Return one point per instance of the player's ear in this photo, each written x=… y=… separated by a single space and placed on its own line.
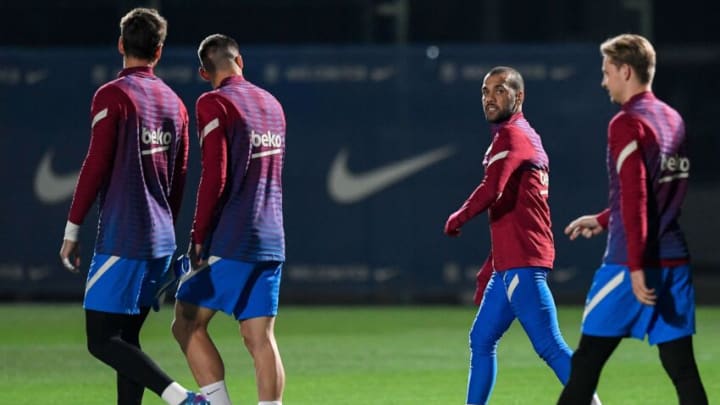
x=121 y=48
x=626 y=71
x=204 y=74
x=158 y=53
x=239 y=61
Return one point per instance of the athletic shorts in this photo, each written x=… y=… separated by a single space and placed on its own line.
x=612 y=310
x=123 y=286
x=242 y=289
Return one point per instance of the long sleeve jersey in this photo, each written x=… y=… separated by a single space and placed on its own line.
x=135 y=166
x=239 y=204
x=515 y=191
x=648 y=170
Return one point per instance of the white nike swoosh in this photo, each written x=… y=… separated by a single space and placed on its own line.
x=346 y=188
x=50 y=187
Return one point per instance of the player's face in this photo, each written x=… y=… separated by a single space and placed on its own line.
x=612 y=80
x=499 y=100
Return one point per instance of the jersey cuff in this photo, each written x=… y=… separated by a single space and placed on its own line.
x=71 y=231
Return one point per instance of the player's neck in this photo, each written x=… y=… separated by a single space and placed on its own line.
x=634 y=90
x=132 y=62
x=221 y=76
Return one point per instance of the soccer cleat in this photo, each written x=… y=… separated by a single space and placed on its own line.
x=195 y=399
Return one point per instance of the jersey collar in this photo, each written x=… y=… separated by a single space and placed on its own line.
x=143 y=70
x=643 y=95
x=231 y=80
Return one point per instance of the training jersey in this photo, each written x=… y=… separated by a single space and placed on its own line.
x=515 y=192
x=239 y=213
x=648 y=170
x=135 y=166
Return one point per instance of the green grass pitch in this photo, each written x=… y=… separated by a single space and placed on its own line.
x=335 y=355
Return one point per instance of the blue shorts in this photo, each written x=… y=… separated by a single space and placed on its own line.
x=242 y=289
x=123 y=286
x=612 y=310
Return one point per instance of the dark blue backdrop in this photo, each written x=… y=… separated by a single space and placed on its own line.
x=376 y=105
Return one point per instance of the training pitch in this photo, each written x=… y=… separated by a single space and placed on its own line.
x=335 y=355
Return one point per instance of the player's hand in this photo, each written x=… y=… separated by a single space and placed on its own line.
x=195 y=253
x=586 y=225
x=452 y=225
x=642 y=293
x=70 y=255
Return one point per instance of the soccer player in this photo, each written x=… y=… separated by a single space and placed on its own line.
x=135 y=167
x=238 y=241
x=513 y=281
x=644 y=285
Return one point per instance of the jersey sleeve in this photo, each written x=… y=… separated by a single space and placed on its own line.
x=624 y=140
x=109 y=106
x=180 y=169
x=212 y=118
x=507 y=153
x=603 y=217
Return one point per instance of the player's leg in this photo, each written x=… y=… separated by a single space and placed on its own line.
x=672 y=330
x=259 y=337
x=493 y=318
x=104 y=341
x=534 y=306
x=678 y=360
x=115 y=288
x=190 y=330
x=587 y=363
x=256 y=309
x=129 y=391
x=219 y=286
x=611 y=312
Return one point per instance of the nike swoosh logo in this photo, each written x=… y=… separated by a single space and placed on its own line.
x=50 y=187
x=346 y=187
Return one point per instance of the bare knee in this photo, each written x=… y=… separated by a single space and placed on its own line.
x=257 y=335
x=186 y=322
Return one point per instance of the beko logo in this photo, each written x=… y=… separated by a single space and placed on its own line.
x=156 y=137
x=674 y=167
x=267 y=139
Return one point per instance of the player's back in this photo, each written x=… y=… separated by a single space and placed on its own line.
x=250 y=222
x=663 y=145
x=136 y=219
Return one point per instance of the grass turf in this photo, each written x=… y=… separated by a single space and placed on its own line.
x=347 y=355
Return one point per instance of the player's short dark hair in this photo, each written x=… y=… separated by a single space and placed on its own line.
x=216 y=51
x=514 y=79
x=633 y=50
x=142 y=30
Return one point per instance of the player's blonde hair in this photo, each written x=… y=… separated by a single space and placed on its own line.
x=633 y=50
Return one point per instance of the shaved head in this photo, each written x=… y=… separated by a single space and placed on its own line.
x=218 y=52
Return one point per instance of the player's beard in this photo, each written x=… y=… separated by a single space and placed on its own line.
x=503 y=114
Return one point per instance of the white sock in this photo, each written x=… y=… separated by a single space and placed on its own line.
x=596 y=400
x=269 y=403
x=174 y=394
x=216 y=393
